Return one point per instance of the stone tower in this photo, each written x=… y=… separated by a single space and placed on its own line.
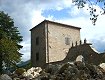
x=51 y=41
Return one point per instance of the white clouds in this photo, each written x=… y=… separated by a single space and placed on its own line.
x=52 y=4
x=74 y=11
x=67 y=3
x=59 y=8
x=63 y=4
x=25 y=50
x=36 y=17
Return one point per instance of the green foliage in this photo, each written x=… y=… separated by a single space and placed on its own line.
x=9 y=42
x=91 y=7
x=20 y=71
x=26 y=65
x=9 y=52
x=8 y=28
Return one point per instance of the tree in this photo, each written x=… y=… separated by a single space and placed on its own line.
x=91 y=7
x=9 y=42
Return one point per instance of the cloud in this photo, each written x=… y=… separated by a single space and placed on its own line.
x=36 y=18
x=25 y=50
x=99 y=44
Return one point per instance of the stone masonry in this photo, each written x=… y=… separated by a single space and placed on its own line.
x=51 y=41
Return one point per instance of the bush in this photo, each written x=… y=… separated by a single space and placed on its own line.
x=20 y=71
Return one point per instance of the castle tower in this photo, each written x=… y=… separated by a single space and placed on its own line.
x=50 y=42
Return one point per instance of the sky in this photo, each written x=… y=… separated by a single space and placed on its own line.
x=28 y=13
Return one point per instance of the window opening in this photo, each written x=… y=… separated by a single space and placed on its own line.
x=37 y=41
x=37 y=56
x=67 y=41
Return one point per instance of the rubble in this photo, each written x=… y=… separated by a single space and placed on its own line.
x=32 y=73
x=5 y=77
x=22 y=74
x=78 y=70
x=102 y=65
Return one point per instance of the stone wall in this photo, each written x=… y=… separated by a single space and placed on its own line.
x=39 y=31
x=87 y=51
x=56 y=40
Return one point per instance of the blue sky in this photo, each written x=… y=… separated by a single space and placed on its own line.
x=58 y=14
x=28 y=13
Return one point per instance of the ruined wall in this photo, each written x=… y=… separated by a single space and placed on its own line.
x=89 y=54
x=39 y=31
x=56 y=40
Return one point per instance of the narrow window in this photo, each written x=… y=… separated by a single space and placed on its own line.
x=37 y=56
x=37 y=40
x=67 y=41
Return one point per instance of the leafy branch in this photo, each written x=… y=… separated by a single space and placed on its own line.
x=91 y=7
